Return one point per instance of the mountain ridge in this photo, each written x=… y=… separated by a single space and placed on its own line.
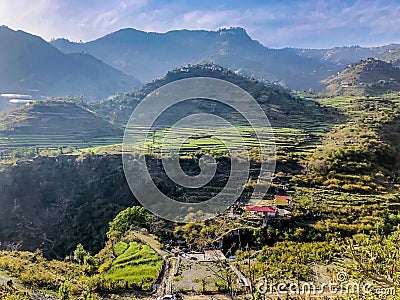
x=149 y=55
x=282 y=107
x=27 y=62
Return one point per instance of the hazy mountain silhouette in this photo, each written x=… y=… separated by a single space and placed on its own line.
x=150 y=55
x=27 y=62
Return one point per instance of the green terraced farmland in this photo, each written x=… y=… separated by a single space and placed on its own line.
x=53 y=124
x=287 y=140
x=189 y=140
x=48 y=141
x=136 y=266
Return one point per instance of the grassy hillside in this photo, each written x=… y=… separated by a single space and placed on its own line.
x=282 y=108
x=54 y=123
x=366 y=78
x=361 y=155
x=81 y=276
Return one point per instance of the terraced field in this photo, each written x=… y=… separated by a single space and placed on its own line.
x=135 y=266
x=285 y=139
x=338 y=199
x=52 y=124
x=364 y=108
x=49 y=141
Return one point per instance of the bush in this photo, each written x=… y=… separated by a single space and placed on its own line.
x=136 y=215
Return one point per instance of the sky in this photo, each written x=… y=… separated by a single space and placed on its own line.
x=276 y=24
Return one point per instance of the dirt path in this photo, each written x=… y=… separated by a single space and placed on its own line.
x=151 y=241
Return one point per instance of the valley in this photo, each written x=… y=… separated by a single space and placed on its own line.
x=74 y=227
x=336 y=157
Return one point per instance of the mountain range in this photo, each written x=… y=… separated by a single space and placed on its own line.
x=30 y=64
x=111 y=64
x=148 y=55
x=343 y=56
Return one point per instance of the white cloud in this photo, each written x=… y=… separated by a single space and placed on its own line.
x=276 y=24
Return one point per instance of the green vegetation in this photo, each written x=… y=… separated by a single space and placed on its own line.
x=132 y=216
x=134 y=268
x=57 y=200
x=120 y=248
x=43 y=125
x=121 y=264
x=282 y=108
x=367 y=77
x=8 y=292
x=377 y=258
x=360 y=155
x=352 y=159
x=336 y=156
x=291 y=261
x=32 y=270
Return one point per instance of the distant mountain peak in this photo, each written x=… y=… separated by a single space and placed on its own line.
x=149 y=55
x=233 y=30
x=27 y=62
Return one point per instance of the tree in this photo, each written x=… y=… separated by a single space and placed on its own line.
x=80 y=254
x=225 y=277
x=64 y=291
x=135 y=215
x=377 y=258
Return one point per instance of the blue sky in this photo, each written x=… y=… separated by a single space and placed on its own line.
x=290 y=23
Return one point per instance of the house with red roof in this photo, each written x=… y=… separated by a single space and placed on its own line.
x=265 y=210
